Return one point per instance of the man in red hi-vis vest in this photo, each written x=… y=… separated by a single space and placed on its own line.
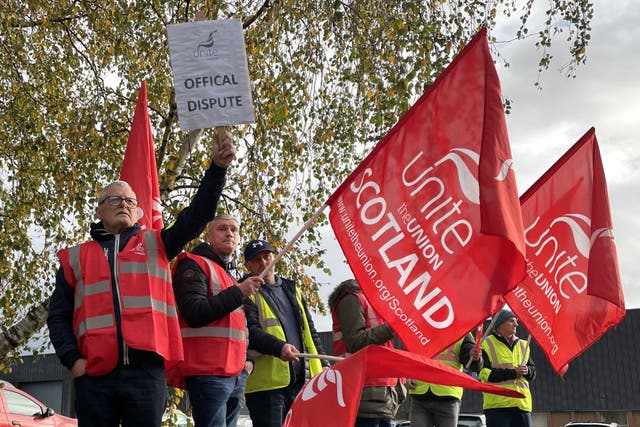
x=355 y=325
x=112 y=317
x=213 y=326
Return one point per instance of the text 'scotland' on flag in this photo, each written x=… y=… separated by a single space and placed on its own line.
x=572 y=292
x=331 y=398
x=139 y=166
x=430 y=221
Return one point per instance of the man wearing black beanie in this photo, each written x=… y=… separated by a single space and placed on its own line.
x=507 y=363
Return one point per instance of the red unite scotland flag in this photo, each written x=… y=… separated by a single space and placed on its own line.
x=139 y=166
x=572 y=294
x=430 y=221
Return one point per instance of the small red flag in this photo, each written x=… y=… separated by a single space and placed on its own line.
x=430 y=221
x=572 y=293
x=479 y=338
x=332 y=397
x=139 y=166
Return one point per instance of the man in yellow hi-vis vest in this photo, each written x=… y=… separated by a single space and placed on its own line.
x=280 y=327
x=507 y=363
x=435 y=405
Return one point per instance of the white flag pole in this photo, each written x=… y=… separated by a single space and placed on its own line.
x=486 y=333
x=305 y=226
x=321 y=357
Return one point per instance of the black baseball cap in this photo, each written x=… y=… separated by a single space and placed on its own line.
x=254 y=247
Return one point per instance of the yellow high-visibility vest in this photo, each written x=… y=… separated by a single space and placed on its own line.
x=501 y=356
x=451 y=357
x=271 y=372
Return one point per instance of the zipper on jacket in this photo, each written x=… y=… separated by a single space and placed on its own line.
x=125 y=349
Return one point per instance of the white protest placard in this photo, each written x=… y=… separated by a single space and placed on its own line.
x=210 y=74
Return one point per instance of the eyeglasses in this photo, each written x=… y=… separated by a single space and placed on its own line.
x=117 y=201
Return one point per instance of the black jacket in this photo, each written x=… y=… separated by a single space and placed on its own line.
x=265 y=343
x=188 y=225
x=191 y=289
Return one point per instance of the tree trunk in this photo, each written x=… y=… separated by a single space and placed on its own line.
x=18 y=335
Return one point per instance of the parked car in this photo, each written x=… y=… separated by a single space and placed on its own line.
x=590 y=424
x=18 y=408
x=471 y=420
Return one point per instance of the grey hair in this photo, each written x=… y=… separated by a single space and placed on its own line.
x=224 y=216
x=118 y=183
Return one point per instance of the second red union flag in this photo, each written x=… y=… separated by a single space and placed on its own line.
x=430 y=221
x=572 y=294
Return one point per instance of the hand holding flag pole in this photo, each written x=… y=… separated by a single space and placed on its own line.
x=484 y=335
x=477 y=347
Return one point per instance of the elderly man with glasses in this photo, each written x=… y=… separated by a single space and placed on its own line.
x=112 y=317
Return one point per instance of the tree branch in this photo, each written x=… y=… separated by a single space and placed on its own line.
x=19 y=334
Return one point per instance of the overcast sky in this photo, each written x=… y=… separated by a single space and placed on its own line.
x=545 y=122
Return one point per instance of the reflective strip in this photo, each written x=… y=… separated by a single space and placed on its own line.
x=95 y=322
x=134 y=267
x=97 y=288
x=266 y=323
x=74 y=262
x=257 y=300
x=213 y=331
x=152 y=265
x=146 y=302
x=516 y=382
x=214 y=285
x=371 y=314
x=155 y=269
x=83 y=289
x=494 y=354
x=494 y=357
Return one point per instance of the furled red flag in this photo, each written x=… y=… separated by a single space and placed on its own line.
x=572 y=293
x=430 y=221
x=139 y=166
x=332 y=397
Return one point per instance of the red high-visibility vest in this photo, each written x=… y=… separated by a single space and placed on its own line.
x=148 y=315
x=372 y=319
x=219 y=348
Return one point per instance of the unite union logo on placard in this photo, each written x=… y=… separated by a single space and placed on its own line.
x=205 y=48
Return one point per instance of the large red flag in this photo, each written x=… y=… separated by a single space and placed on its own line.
x=572 y=293
x=139 y=165
x=430 y=221
x=332 y=397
